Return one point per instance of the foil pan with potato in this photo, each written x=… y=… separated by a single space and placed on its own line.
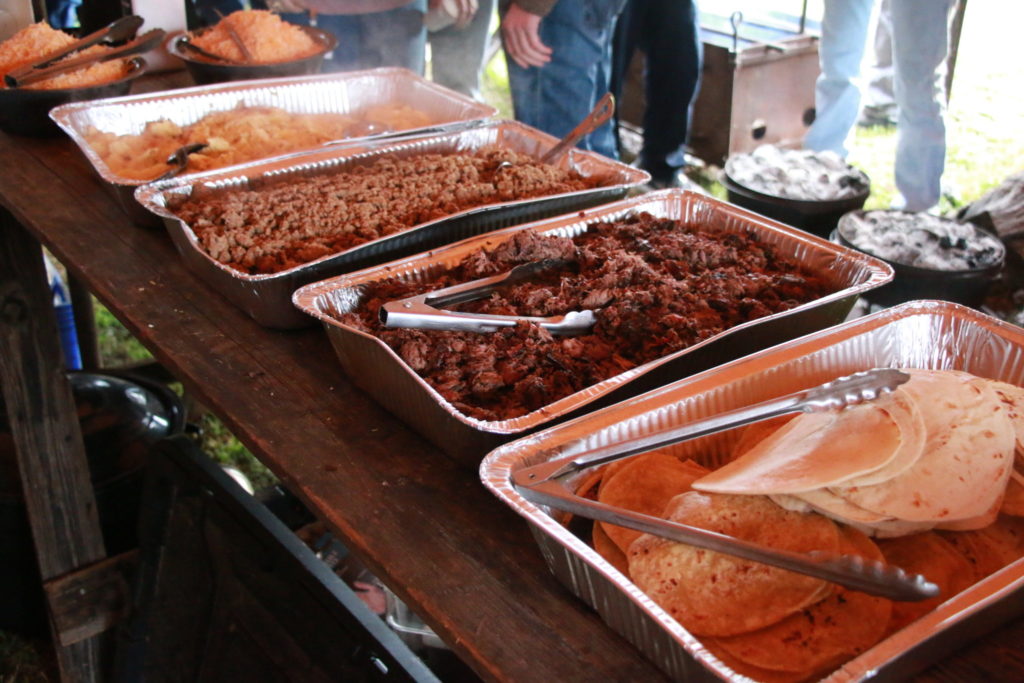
x=345 y=94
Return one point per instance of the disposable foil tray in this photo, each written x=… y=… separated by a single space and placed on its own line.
x=920 y=334
x=339 y=93
x=378 y=370
x=268 y=297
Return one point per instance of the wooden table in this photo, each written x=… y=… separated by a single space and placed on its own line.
x=421 y=522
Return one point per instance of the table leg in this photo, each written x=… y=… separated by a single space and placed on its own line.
x=85 y=324
x=44 y=425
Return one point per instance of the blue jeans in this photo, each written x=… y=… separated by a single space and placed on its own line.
x=668 y=34
x=557 y=96
x=920 y=41
x=366 y=41
x=457 y=54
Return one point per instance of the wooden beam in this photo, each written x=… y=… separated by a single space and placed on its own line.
x=89 y=601
x=51 y=458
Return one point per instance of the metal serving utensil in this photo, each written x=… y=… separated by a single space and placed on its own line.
x=425 y=312
x=545 y=484
x=601 y=112
x=178 y=160
x=144 y=43
x=189 y=46
x=122 y=29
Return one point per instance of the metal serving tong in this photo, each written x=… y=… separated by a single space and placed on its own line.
x=31 y=74
x=544 y=484
x=122 y=29
x=424 y=311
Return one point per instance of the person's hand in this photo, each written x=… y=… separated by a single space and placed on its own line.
x=462 y=11
x=521 y=36
x=286 y=5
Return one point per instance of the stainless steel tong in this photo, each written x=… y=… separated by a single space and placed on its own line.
x=545 y=484
x=425 y=311
x=51 y=66
x=122 y=29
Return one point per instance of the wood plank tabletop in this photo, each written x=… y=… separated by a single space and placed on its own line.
x=422 y=522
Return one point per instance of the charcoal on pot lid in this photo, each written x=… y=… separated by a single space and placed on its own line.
x=922 y=240
x=797 y=174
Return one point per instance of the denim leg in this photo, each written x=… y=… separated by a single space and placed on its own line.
x=670 y=38
x=920 y=43
x=457 y=55
x=396 y=38
x=844 y=30
x=878 y=92
x=557 y=96
x=366 y=41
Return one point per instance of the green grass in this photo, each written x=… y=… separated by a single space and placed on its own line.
x=118 y=348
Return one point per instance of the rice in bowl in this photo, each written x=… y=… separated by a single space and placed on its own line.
x=268 y=39
x=36 y=41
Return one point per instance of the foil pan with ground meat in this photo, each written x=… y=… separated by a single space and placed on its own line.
x=267 y=296
x=919 y=334
x=338 y=93
x=380 y=370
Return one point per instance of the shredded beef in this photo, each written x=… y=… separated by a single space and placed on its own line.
x=285 y=223
x=656 y=285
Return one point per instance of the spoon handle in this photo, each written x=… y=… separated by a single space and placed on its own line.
x=601 y=112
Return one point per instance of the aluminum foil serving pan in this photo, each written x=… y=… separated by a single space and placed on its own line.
x=380 y=371
x=268 y=298
x=920 y=334
x=340 y=93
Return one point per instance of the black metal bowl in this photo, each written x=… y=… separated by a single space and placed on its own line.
x=26 y=111
x=819 y=217
x=204 y=70
x=968 y=287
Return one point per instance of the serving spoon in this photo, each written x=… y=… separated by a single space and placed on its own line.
x=602 y=111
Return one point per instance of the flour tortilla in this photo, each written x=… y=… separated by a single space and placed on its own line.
x=823 y=635
x=912 y=429
x=607 y=549
x=645 y=484
x=1013 y=501
x=931 y=555
x=1013 y=398
x=715 y=594
x=966 y=461
x=828 y=504
x=818 y=449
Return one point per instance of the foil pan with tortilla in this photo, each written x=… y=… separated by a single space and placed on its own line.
x=940 y=516
x=378 y=369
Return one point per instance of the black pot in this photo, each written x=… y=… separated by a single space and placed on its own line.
x=121 y=417
x=818 y=217
x=911 y=283
x=205 y=71
x=26 y=111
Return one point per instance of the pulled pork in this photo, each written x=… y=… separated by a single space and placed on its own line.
x=656 y=285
